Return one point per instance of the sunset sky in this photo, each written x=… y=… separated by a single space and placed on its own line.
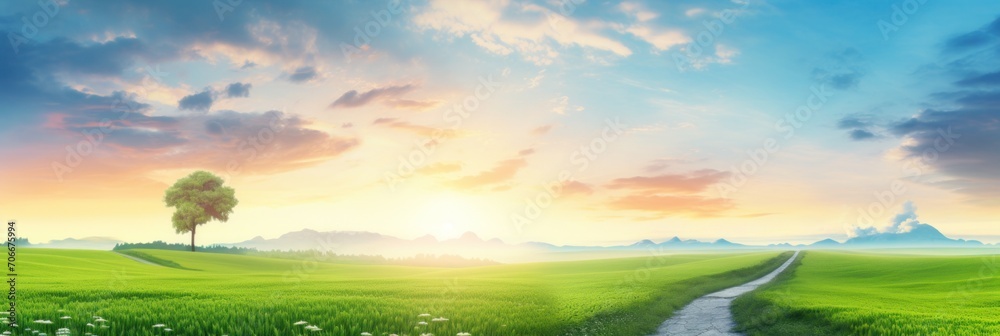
x=755 y=121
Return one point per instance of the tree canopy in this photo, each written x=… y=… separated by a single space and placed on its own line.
x=198 y=199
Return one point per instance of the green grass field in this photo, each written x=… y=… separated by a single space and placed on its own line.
x=848 y=293
x=219 y=294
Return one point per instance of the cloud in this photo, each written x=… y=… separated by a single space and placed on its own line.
x=958 y=141
x=667 y=205
x=902 y=222
x=304 y=74
x=534 y=82
x=860 y=134
x=852 y=122
x=674 y=183
x=667 y=195
x=963 y=140
x=416 y=105
x=576 y=188
x=541 y=130
x=991 y=79
x=201 y=101
x=271 y=32
x=145 y=139
x=503 y=171
x=57 y=85
x=238 y=90
x=288 y=33
x=352 y=98
x=660 y=38
x=526 y=152
x=504 y=27
x=224 y=141
x=724 y=54
x=694 y=12
x=842 y=69
x=293 y=145
x=32 y=78
x=108 y=59
x=562 y=105
x=421 y=130
x=838 y=79
x=135 y=130
x=440 y=168
x=976 y=38
x=661 y=164
x=859 y=126
x=637 y=11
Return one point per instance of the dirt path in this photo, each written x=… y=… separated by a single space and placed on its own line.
x=709 y=314
x=144 y=261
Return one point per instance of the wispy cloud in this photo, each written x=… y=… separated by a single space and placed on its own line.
x=304 y=74
x=660 y=206
x=675 y=183
x=353 y=98
x=537 y=35
x=501 y=172
x=668 y=195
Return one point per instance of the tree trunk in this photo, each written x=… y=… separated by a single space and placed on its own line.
x=192 y=237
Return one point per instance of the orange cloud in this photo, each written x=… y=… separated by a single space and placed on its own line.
x=502 y=172
x=576 y=187
x=418 y=105
x=664 y=206
x=421 y=130
x=440 y=168
x=541 y=130
x=353 y=98
x=671 y=194
x=677 y=183
x=119 y=159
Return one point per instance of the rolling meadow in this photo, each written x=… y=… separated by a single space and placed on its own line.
x=855 y=293
x=81 y=292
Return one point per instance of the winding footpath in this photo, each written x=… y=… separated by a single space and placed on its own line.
x=144 y=261
x=709 y=314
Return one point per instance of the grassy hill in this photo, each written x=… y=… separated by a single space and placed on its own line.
x=838 y=293
x=216 y=294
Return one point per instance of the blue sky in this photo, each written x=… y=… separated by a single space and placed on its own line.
x=901 y=97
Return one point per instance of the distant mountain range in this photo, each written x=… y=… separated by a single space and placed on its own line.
x=471 y=245
x=88 y=243
x=919 y=235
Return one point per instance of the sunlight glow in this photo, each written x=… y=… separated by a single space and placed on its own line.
x=447 y=216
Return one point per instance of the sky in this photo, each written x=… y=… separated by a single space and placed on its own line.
x=564 y=121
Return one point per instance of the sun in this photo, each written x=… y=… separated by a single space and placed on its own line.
x=448 y=216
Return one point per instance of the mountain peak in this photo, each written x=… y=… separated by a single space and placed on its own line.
x=643 y=242
x=470 y=236
x=919 y=234
x=827 y=241
x=300 y=233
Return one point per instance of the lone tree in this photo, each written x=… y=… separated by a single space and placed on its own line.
x=199 y=198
